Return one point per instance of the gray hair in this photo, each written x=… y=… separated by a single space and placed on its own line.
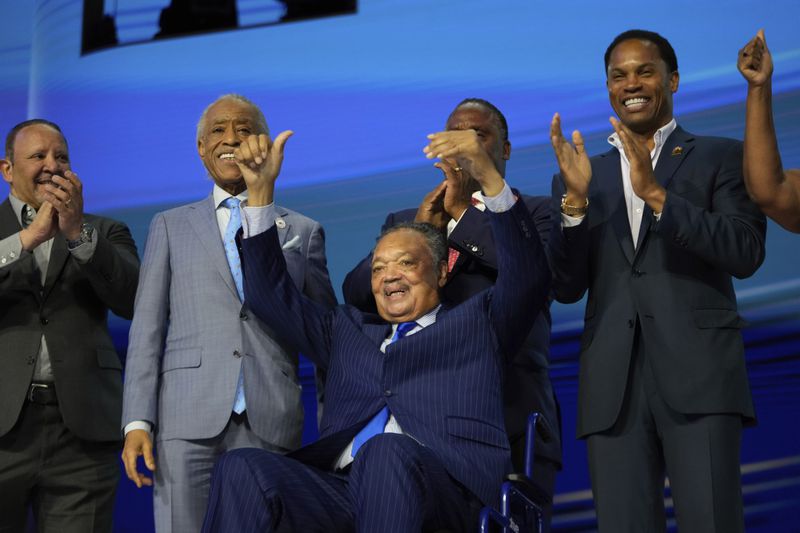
x=434 y=238
x=261 y=121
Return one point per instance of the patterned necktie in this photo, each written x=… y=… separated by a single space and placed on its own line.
x=232 y=253
x=28 y=214
x=378 y=422
x=229 y=241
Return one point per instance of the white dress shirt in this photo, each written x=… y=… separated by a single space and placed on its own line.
x=633 y=204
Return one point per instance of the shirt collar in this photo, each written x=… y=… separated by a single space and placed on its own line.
x=424 y=321
x=660 y=137
x=16 y=205
x=221 y=195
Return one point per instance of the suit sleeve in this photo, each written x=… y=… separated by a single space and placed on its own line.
x=473 y=233
x=317 y=284
x=357 y=287
x=523 y=279
x=15 y=271
x=568 y=249
x=149 y=329
x=10 y=252
x=729 y=235
x=274 y=298
x=113 y=270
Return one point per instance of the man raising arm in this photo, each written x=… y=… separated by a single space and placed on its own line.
x=777 y=192
x=412 y=433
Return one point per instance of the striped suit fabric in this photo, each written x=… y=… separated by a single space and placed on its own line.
x=443 y=385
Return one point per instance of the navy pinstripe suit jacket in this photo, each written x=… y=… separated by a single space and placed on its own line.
x=443 y=384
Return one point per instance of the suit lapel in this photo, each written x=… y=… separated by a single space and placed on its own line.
x=673 y=154
x=282 y=223
x=377 y=333
x=609 y=165
x=9 y=224
x=203 y=220
x=8 y=220
x=58 y=258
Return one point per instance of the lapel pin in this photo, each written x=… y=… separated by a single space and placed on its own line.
x=678 y=150
x=280 y=223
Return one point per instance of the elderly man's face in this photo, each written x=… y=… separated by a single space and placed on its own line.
x=227 y=124
x=640 y=86
x=405 y=280
x=40 y=153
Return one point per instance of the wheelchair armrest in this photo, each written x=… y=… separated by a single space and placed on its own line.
x=489 y=515
x=529 y=488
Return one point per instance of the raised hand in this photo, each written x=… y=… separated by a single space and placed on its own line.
x=260 y=160
x=755 y=61
x=573 y=162
x=431 y=210
x=464 y=147
x=66 y=196
x=643 y=180
x=460 y=186
x=43 y=228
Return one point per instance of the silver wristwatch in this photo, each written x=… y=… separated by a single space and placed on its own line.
x=87 y=231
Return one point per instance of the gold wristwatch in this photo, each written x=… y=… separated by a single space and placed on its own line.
x=573 y=210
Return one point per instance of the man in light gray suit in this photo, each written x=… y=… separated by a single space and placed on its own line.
x=204 y=375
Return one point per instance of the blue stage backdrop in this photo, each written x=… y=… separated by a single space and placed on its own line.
x=361 y=91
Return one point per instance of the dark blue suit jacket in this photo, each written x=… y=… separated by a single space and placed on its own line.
x=527 y=386
x=443 y=384
x=676 y=282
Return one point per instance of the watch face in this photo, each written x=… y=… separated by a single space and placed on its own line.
x=83 y=237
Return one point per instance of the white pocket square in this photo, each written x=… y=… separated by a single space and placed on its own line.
x=291 y=244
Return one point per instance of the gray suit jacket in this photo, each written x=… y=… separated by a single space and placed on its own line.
x=191 y=334
x=71 y=311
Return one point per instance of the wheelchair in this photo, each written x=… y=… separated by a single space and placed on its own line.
x=521 y=500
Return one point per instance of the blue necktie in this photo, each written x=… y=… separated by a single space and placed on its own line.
x=231 y=251
x=234 y=262
x=378 y=422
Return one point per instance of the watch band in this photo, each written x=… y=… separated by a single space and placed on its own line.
x=87 y=231
x=573 y=210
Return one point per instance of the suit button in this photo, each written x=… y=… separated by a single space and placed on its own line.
x=237 y=354
x=243 y=315
x=387 y=393
x=637 y=273
x=44 y=321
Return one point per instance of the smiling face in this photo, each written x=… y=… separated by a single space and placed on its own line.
x=227 y=123
x=405 y=280
x=40 y=153
x=476 y=117
x=640 y=86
